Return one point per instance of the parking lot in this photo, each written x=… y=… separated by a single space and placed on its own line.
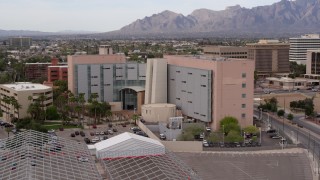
x=98 y=132
x=290 y=164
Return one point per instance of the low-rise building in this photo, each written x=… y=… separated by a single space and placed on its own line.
x=21 y=92
x=226 y=51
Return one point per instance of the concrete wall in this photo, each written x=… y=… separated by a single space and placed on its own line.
x=147 y=131
x=175 y=146
x=183 y=146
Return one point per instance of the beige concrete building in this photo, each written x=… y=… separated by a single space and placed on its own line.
x=158 y=112
x=270 y=56
x=209 y=89
x=110 y=76
x=313 y=62
x=226 y=51
x=21 y=92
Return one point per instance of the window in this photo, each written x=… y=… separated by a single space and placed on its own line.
x=243 y=105
x=243 y=115
x=244 y=85
x=203 y=86
x=244 y=75
x=184 y=82
x=244 y=95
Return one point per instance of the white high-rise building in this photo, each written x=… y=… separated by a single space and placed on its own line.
x=300 y=45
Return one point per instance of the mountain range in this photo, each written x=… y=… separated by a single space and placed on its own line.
x=284 y=17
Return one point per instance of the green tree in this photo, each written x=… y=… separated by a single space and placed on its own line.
x=8 y=130
x=280 y=113
x=52 y=113
x=214 y=137
x=309 y=107
x=229 y=123
x=233 y=136
x=135 y=117
x=251 y=130
x=290 y=117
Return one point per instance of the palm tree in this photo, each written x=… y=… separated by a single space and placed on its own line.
x=6 y=100
x=43 y=98
x=135 y=117
x=78 y=109
x=108 y=114
x=94 y=105
x=16 y=106
x=82 y=101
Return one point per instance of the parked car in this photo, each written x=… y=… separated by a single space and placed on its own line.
x=205 y=143
x=101 y=133
x=105 y=137
x=76 y=133
x=299 y=125
x=143 y=121
x=73 y=135
x=124 y=125
x=94 y=140
x=97 y=133
x=94 y=126
x=91 y=133
x=141 y=133
x=115 y=130
x=314 y=90
x=163 y=137
x=110 y=132
x=105 y=132
x=82 y=134
x=208 y=129
x=87 y=140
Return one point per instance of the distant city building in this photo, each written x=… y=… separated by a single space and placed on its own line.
x=20 y=42
x=105 y=50
x=204 y=89
x=300 y=45
x=35 y=71
x=111 y=77
x=21 y=92
x=57 y=72
x=270 y=56
x=313 y=62
x=226 y=51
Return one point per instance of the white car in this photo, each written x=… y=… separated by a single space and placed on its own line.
x=163 y=137
x=110 y=131
x=208 y=129
x=314 y=90
x=94 y=140
x=205 y=143
x=51 y=131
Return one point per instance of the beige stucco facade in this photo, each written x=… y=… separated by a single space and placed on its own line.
x=232 y=86
x=158 y=112
x=156 y=76
x=21 y=92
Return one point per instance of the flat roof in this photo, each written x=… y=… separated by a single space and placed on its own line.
x=26 y=86
x=34 y=155
x=159 y=105
x=65 y=66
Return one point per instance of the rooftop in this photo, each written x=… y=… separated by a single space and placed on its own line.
x=160 y=167
x=35 y=155
x=26 y=86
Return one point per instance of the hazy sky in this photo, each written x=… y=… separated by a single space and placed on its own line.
x=98 y=15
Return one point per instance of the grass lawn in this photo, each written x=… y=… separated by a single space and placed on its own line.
x=57 y=126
